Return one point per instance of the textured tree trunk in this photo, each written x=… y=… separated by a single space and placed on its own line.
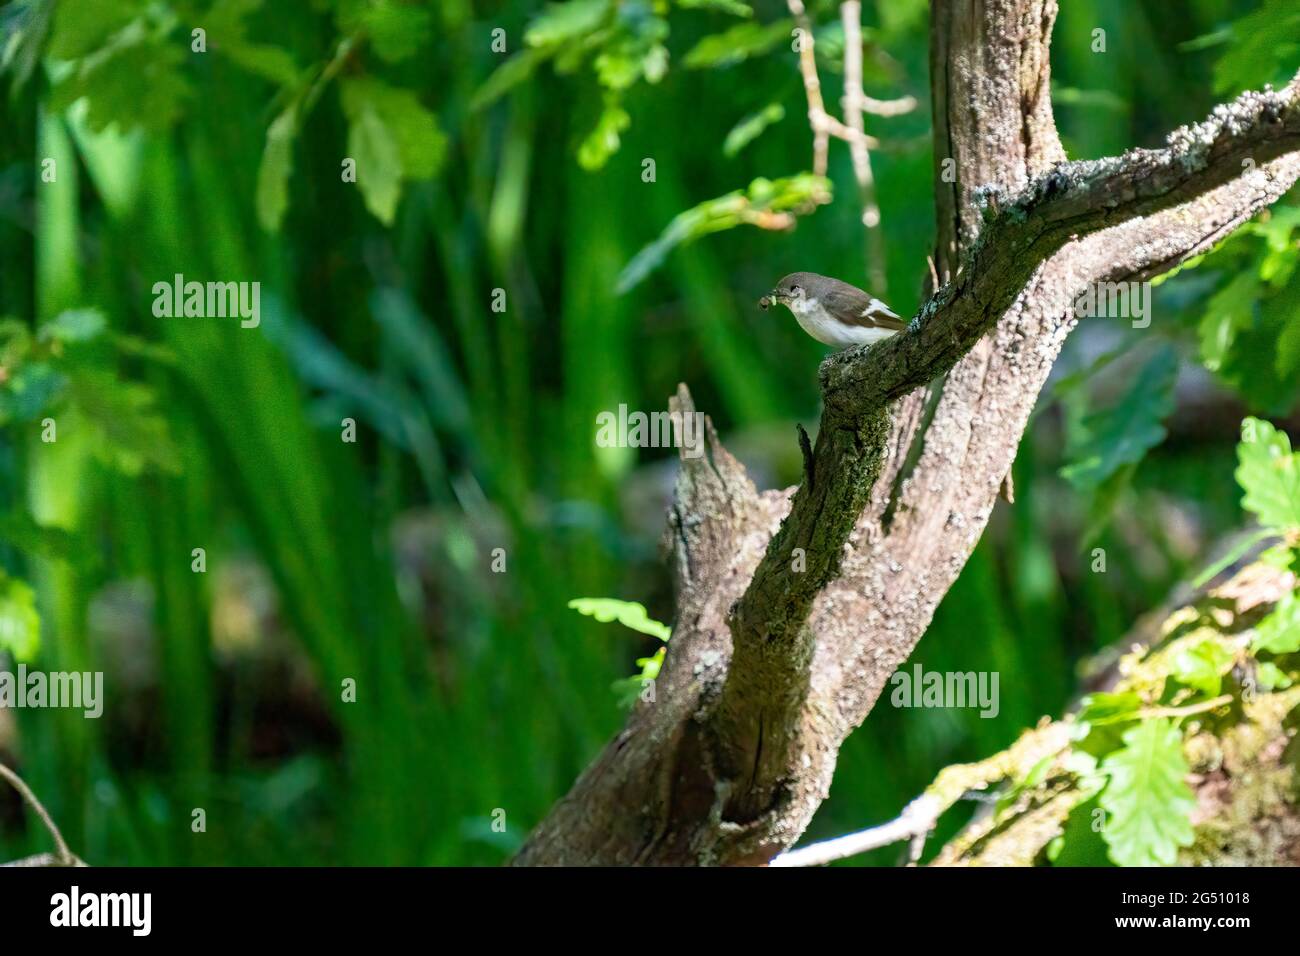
x=794 y=607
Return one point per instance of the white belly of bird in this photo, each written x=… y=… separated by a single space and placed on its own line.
x=818 y=323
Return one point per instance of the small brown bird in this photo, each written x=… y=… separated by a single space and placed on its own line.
x=834 y=312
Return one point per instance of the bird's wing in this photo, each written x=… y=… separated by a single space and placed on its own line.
x=855 y=307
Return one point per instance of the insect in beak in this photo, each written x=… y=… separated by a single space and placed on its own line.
x=768 y=300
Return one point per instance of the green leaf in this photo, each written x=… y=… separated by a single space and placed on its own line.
x=133 y=81
x=130 y=433
x=1069 y=389
x=741 y=42
x=1080 y=842
x=1201 y=665
x=733 y=7
x=1260 y=363
x=20 y=625
x=1147 y=800
x=1122 y=434
x=421 y=145
x=21 y=530
x=85 y=26
x=1104 y=500
x=379 y=164
x=24 y=30
x=751 y=127
x=392 y=138
x=622 y=64
x=1281 y=556
x=227 y=35
x=1277 y=227
x=1106 y=708
x=628 y=689
x=562 y=22
x=15 y=342
x=628 y=613
x=1269 y=475
x=269 y=62
x=507 y=76
x=1271 y=677
x=756 y=206
x=30 y=392
x=1287 y=360
x=1279 y=631
x=1263 y=45
x=277 y=165
x=603 y=141
x=73 y=325
x=396 y=29
x=1229 y=310
x=830 y=44
x=634 y=50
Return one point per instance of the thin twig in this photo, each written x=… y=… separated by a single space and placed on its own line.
x=916 y=848
x=854 y=103
x=920 y=816
x=958 y=782
x=812 y=85
x=904 y=104
x=1216 y=702
x=63 y=856
x=917 y=820
x=838 y=130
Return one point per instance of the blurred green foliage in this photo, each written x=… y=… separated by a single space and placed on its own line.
x=1135 y=805
x=459 y=299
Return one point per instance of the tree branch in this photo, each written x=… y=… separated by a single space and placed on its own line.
x=898 y=107
x=818 y=118
x=760 y=715
x=917 y=819
x=1070 y=202
x=823 y=124
x=855 y=102
x=795 y=606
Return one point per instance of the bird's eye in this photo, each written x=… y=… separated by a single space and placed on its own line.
x=795 y=290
